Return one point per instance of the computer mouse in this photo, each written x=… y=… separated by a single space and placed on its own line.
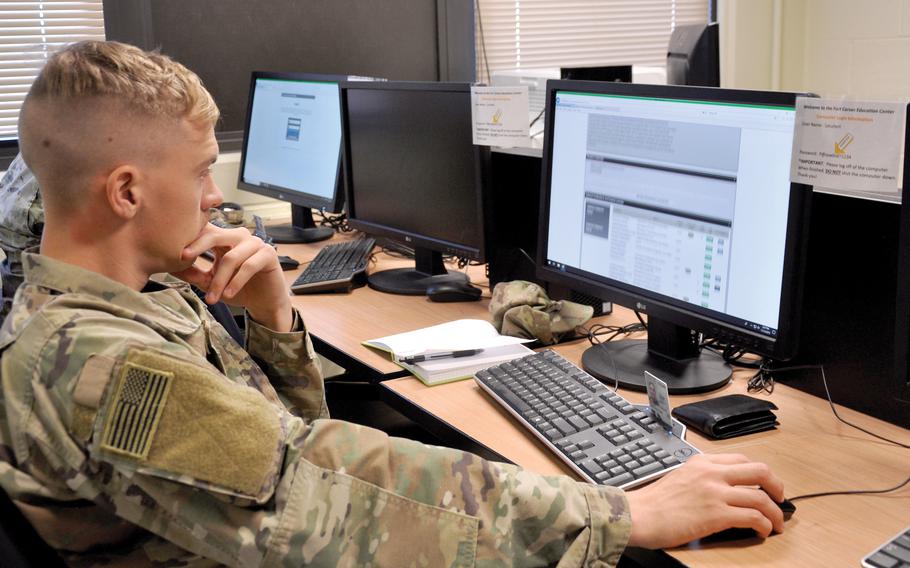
x=287 y=263
x=786 y=507
x=453 y=292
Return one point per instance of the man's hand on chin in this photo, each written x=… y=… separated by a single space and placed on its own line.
x=245 y=273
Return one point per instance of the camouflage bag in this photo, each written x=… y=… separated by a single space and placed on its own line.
x=523 y=309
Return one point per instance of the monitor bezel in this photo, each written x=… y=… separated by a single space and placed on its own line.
x=334 y=204
x=676 y=311
x=413 y=239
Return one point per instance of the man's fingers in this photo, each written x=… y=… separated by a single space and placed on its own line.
x=748 y=518
x=229 y=261
x=195 y=276
x=213 y=237
x=250 y=268
x=238 y=266
x=728 y=459
x=755 y=474
x=758 y=500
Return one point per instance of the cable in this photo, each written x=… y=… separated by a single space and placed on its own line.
x=821 y=368
x=852 y=492
x=765 y=369
x=483 y=43
x=594 y=332
x=338 y=222
x=536 y=118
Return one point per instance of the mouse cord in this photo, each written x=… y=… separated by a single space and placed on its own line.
x=853 y=492
x=821 y=368
x=900 y=485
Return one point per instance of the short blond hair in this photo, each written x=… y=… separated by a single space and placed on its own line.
x=148 y=83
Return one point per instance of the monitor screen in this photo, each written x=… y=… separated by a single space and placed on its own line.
x=677 y=202
x=413 y=172
x=292 y=146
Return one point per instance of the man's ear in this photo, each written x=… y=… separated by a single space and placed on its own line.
x=123 y=189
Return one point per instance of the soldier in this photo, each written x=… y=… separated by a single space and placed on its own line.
x=134 y=430
x=21 y=221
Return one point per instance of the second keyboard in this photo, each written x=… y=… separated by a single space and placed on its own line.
x=335 y=267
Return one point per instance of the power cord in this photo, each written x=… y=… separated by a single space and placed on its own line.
x=337 y=222
x=821 y=369
x=597 y=330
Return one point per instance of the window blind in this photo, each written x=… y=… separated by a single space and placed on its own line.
x=29 y=33
x=552 y=33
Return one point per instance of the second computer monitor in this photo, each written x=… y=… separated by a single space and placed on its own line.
x=292 y=148
x=413 y=174
x=676 y=202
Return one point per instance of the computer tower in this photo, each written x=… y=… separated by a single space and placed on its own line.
x=512 y=240
x=693 y=55
x=515 y=202
x=849 y=305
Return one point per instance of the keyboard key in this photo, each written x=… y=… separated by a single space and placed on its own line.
x=590 y=467
x=618 y=480
x=897 y=551
x=646 y=469
x=882 y=560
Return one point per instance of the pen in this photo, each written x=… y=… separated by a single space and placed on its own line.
x=446 y=355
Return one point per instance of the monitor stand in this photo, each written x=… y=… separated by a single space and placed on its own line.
x=302 y=229
x=670 y=353
x=429 y=271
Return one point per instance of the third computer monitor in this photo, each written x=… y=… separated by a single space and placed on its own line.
x=414 y=175
x=292 y=148
x=675 y=202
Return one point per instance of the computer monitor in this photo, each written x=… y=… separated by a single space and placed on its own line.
x=292 y=148
x=693 y=56
x=675 y=202
x=413 y=174
x=616 y=73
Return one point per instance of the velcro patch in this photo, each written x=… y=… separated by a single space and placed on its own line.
x=136 y=411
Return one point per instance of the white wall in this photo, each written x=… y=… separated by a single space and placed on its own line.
x=854 y=48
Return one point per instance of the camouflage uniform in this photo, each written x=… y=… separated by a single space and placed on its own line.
x=134 y=431
x=523 y=309
x=21 y=223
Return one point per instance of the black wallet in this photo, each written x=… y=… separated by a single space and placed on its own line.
x=728 y=416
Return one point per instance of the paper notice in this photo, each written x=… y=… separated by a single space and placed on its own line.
x=500 y=116
x=854 y=146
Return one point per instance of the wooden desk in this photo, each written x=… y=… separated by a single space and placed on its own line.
x=811 y=451
x=339 y=322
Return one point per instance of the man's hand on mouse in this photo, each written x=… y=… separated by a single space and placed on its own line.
x=708 y=494
x=245 y=273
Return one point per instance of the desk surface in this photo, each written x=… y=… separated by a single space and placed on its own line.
x=344 y=320
x=811 y=451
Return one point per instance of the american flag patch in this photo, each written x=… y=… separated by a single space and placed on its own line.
x=137 y=408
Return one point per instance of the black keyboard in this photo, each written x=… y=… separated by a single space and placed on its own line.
x=893 y=554
x=335 y=268
x=599 y=434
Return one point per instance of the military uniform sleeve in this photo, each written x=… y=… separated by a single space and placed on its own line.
x=291 y=364
x=211 y=465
